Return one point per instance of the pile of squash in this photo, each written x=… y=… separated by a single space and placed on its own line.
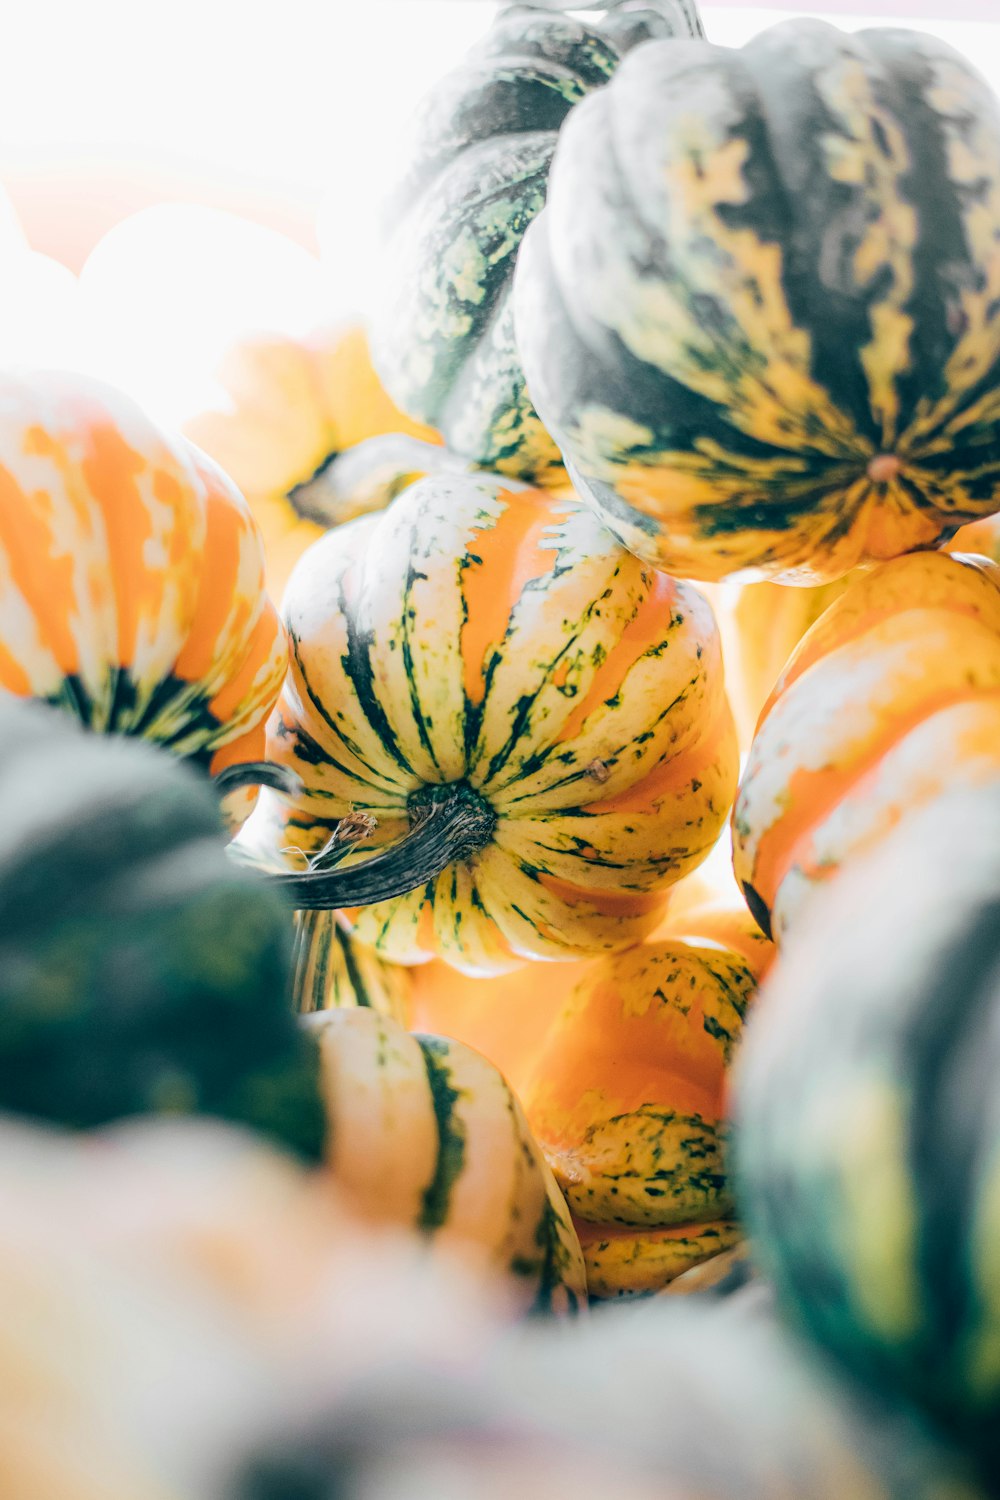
x=374 y=973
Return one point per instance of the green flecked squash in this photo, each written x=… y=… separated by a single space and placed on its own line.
x=760 y=312
x=868 y=1119
x=141 y=971
x=482 y=145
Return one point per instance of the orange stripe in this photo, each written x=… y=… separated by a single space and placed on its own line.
x=837 y=626
x=249 y=746
x=593 y=1234
x=232 y=694
x=608 y=903
x=45 y=580
x=225 y=528
x=670 y=776
x=511 y=553
x=813 y=794
x=648 y=628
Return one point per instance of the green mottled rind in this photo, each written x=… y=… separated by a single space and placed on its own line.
x=757 y=271
x=869 y=1125
x=140 y=971
x=443 y=341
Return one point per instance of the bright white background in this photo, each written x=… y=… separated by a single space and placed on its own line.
x=276 y=109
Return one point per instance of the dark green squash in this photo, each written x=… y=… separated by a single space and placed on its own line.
x=141 y=971
x=760 y=312
x=868 y=1119
x=476 y=176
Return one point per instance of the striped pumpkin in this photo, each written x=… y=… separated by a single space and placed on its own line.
x=476 y=177
x=131 y=576
x=535 y=721
x=890 y=698
x=869 y=1132
x=767 y=336
x=627 y=1098
x=425 y=1133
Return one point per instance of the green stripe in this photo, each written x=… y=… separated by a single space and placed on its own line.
x=451 y=1134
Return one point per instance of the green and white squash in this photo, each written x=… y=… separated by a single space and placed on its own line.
x=760 y=312
x=868 y=1119
x=443 y=339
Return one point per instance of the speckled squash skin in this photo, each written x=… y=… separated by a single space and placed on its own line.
x=291 y=407
x=141 y=972
x=482 y=643
x=482 y=146
x=868 y=1128
x=627 y=1098
x=425 y=1133
x=890 y=698
x=760 y=310
x=131 y=576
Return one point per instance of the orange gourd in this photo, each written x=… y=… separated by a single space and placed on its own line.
x=891 y=697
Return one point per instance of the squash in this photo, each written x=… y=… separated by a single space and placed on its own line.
x=535 y=721
x=131 y=576
x=290 y=408
x=424 y=1132
x=760 y=312
x=890 y=698
x=474 y=178
x=627 y=1098
x=140 y=972
x=333 y=971
x=868 y=1140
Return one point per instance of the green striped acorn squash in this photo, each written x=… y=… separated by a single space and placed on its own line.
x=534 y=722
x=425 y=1133
x=760 y=312
x=140 y=970
x=483 y=140
x=868 y=1119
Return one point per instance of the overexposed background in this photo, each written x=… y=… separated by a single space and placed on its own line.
x=278 y=111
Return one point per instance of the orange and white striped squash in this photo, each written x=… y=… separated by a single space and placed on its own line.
x=535 y=718
x=891 y=697
x=131 y=576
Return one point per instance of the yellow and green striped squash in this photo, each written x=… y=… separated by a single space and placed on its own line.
x=424 y=1132
x=131 y=576
x=534 y=720
x=760 y=312
x=475 y=177
x=867 y=1119
x=333 y=971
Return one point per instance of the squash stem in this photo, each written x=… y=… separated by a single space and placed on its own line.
x=257 y=773
x=450 y=822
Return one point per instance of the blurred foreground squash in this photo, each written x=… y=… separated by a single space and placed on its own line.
x=868 y=1137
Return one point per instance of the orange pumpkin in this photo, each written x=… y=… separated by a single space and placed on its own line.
x=131 y=576
x=892 y=696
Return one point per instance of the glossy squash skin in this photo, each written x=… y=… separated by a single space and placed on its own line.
x=484 y=653
x=292 y=407
x=892 y=697
x=131 y=576
x=482 y=145
x=425 y=1133
x=628 y=1098
x=141 y=972
x=868 y=1138
x=760 y=310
